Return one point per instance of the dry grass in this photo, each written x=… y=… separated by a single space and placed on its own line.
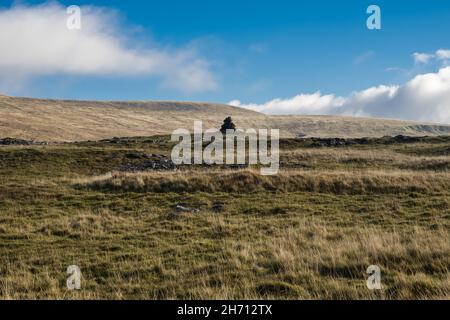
x=314 y=261
x=310 y=259
x=308 y=233
x=368 y=159
x=336 y=182
x=58 y=120
x=351 y=127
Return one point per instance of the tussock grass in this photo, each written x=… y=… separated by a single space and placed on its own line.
x=365 y=158
x=297 y=268
x=335 y=182
x=308 y=233
x=230 y=258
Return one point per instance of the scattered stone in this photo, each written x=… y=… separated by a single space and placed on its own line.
x=406 y=139
x=113 y=140
x=124 y=141
x=339 y=142
x=328 y=142
x=75 y=225
x=181 y=207
x=19 y=142
x=157 y=164
x=217 y=207
x=134 y=155
x=153 y=155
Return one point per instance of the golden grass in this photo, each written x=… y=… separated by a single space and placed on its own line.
x=314 y=261
x=336 y=182
x=61 y=120
x=310 y=259
x=378 y=159
x=303 y=234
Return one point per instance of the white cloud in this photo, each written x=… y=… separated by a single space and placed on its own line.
x=440 y=55
x=422 y=58
x=444 y=56
x=301 y=104
x=35 y=42
x=426 y=98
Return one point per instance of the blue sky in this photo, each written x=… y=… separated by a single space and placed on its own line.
x=256 y=51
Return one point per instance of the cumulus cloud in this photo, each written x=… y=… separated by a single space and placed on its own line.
x=443 y=54
x=426 y=98
x=315 y=103
x=440 y=55
x=35 y=42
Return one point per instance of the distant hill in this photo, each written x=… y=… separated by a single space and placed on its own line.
x=68 y=120
x=354 y=127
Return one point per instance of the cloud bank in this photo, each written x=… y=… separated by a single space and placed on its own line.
x=426 y=98
x=35 y=41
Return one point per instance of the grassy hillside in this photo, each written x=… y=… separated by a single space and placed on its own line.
x=200 y=232
x=54 y=120
x=57 y=120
